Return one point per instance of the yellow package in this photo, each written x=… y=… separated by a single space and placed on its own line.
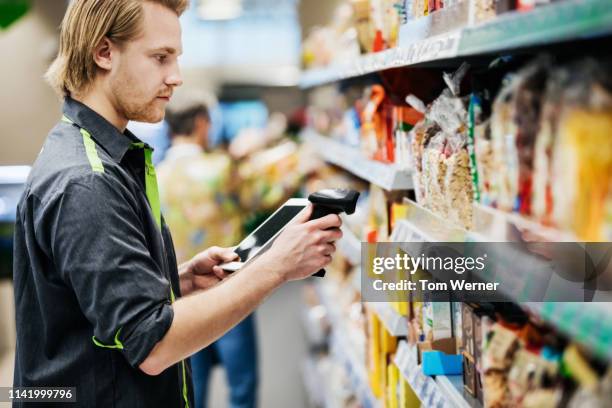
x=582 y=187
x=374 y=365
x=392 y=387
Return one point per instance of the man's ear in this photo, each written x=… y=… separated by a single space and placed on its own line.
x=201 y=122
x=103 y=54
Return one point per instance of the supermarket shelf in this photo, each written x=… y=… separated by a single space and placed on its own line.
x=395 y=323
x=577 y=320
x=384 y=175
x=587 y=323
x=554 y=23
x=350 y=246
x=355 y=369
x=341 y=347
x=443 y=391
x=491 y=224
x=315 y=387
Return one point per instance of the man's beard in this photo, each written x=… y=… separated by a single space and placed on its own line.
x=147 y=112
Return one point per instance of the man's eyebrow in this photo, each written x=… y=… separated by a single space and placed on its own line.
x=168 y=50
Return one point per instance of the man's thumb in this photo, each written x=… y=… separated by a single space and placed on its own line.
x=302 y=216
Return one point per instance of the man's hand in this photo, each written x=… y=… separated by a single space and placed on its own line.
x=303 y=247
x=202 y=272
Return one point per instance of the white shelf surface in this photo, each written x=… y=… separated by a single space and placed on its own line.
x=343 y=349
x=395 y=323
x=554 y=23
x=314 y=384
x=387 y=176
x=442 y=392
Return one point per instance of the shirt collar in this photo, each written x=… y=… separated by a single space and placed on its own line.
x=101 y=130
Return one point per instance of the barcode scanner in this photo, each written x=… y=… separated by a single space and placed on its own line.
x=332 y=201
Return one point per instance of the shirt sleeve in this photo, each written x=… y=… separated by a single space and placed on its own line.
x=100 y=250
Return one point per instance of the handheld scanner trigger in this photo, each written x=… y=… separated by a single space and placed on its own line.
x=332 y=201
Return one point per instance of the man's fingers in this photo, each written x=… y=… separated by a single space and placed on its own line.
x=302 y=216
x=329 y=221
x=222 y=255
x=331 y=235
x=219 y=272
x=327 y=249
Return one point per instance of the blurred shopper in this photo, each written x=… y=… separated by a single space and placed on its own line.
x=199 y=202
x=101 y=305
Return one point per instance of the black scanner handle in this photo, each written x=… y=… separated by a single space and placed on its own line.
x=320 y=211
x=332 y=201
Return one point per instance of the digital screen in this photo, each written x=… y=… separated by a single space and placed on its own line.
x=251 y=245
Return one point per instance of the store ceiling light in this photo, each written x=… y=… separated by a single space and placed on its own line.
x=219 y=9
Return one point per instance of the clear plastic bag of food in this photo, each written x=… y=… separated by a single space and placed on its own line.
x=542 y=204
x=582 y=154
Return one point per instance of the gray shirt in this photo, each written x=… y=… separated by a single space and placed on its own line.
x=93 y=273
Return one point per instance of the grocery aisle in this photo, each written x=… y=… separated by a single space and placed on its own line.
x=482 y=132
x=476 y=269
x=281 y=346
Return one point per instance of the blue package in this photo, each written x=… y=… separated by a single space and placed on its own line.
x=439 y=363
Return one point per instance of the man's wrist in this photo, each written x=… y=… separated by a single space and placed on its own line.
x=270 y=269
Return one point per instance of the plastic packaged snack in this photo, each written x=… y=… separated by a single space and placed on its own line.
x=529 y=96
x=514 y=125
x=442 y=165
x=582 y=155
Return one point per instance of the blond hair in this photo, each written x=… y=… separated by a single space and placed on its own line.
x=85 y=24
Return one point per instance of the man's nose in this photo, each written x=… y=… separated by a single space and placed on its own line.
x=175 y=79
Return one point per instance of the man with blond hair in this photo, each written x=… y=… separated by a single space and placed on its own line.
x=101 y=305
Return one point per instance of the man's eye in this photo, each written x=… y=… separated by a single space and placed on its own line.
x=161 y=58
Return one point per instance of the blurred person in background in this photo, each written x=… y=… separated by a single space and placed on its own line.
x=198 y=197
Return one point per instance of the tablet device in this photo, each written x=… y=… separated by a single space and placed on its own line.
x=261 y=239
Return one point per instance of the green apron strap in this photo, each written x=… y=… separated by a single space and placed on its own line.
x=90 y=147
x=151 y=186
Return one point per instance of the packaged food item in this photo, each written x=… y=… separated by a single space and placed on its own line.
x=582 y=155
x=542 y=202
x=504 y=180
x=500 y=349
x=391 y=22
x=420 y=135
x=441 y=157
x=514 y=125
x=485 y=84
x=528 y=373
x=417 y=326
x=363 y=24
x=467 y=328
x=437 y=320
x=598 y=397
x=374 y=347
x=457 y=324
x=373 y=125
x=529 y=96
x=391 y=398
x=469 y=374
x=482 y=10
x=495 y=390
x=404 y=119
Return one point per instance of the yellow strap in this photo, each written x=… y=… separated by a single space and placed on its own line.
x=90 y=148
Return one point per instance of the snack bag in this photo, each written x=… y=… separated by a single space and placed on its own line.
x=582 y=155
x=504 y=183
x=529 y=96
x=542 y=202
